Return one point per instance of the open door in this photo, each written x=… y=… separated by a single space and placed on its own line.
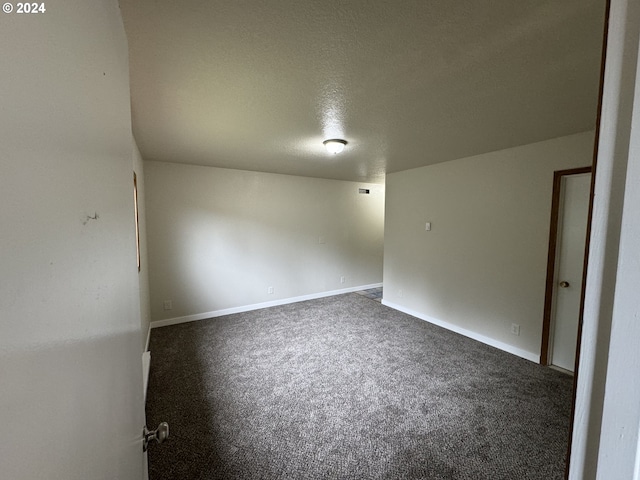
x=565 y=268
x=71 y=402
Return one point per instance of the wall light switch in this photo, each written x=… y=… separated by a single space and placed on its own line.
x=427 y=226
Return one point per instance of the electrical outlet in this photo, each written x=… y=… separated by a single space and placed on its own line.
x=342 y=279
x=270 y=290
x=515 y=329
x=167 y=305
x=400 y=293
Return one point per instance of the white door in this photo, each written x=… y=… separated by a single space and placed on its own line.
x=572 y=228
x=70 y=372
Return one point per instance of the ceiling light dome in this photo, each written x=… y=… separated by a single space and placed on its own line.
x=335 y=145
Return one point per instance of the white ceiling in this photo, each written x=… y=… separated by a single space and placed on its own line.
x=259 y=84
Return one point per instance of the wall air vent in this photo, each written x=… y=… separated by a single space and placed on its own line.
x=364 y=191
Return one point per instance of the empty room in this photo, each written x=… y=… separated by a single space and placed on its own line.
x=320 y=239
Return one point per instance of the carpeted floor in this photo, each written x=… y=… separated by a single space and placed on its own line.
x=346 y=388
x=372 y=293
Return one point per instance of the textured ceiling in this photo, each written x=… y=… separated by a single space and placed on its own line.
x=258 y=85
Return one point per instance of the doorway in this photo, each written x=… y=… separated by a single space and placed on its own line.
x=565 y=267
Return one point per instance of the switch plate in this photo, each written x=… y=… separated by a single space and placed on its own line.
x=342 y=279
x=167 y=305
x=427 y=226
x=270 y=290
x=515 y=329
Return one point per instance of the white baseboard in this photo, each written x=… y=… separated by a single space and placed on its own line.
x=257 y=306
x=467 y=333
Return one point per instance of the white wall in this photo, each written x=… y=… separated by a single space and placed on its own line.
x=69 y=309
x=606 y=430
x=143 y=274
x=219 y=238
x=482 y=267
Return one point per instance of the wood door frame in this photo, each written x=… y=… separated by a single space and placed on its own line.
x=551 y=260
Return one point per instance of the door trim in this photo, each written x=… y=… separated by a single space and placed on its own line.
x=551 y=258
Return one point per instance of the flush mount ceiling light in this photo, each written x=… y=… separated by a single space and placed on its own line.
x=335 y=145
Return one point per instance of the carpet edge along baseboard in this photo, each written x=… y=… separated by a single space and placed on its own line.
x=532 y=357
x=258 y=306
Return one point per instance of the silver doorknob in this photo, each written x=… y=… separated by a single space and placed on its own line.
x=160 y=434
x=564 y=284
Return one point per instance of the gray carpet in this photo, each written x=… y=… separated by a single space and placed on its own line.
x=346 y=388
